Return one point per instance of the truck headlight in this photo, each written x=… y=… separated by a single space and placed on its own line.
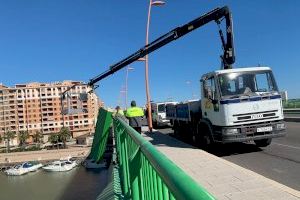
x=280 y=126
x=230 y=131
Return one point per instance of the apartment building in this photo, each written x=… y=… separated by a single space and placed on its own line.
x=8 y=112
x=40 y=107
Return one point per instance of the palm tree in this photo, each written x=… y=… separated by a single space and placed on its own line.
x=37 y=137
x=54 y=139
x=64 y=134
x=23 y=136
x=8 y=136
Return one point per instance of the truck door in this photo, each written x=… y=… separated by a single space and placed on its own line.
x=210 y=100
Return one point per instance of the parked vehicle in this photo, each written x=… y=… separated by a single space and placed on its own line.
x=23 y=168
x=237 y=105
x=158 y=111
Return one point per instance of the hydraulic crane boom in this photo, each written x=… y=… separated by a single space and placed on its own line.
x=216 y=15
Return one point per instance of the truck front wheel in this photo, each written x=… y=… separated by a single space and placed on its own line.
x=263 y=142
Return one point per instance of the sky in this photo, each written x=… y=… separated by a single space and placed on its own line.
x=55 y=40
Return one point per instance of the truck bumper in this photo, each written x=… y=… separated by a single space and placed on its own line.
x=250 y=132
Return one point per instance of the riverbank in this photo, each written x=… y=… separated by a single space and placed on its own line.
x=43 y=155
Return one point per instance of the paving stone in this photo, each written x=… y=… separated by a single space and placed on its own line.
x=223 y=189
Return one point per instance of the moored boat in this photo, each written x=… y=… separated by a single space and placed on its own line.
x=23 y=168
x=60 y=165
x=92 y=164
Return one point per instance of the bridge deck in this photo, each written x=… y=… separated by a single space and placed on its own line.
x=221 y=178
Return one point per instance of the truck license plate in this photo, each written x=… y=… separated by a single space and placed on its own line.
x=265 y=129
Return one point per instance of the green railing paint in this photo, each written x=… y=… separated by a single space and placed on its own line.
x=146 y=173
x=292 y=103
x=103 y=125
x=113 y=189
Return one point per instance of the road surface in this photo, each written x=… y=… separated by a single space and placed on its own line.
x=279 y=161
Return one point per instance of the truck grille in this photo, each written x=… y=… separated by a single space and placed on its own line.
x=256 y=116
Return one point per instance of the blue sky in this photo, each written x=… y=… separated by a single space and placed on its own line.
x=54 y=40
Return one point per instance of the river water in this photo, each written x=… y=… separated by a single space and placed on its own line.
x=78 y=183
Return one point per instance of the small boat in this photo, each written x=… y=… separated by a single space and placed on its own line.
x=60 y=165
x=92 y=164
x=23 y=168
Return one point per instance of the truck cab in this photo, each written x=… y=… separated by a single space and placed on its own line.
x=242 y=104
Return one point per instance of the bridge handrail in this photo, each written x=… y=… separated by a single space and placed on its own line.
x=147 y=173
x=291 y=109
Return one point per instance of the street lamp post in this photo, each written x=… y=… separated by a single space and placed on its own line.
x=151 y=3
x=126 y=85
x=122 y=94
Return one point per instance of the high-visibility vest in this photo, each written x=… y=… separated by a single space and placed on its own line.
x=134 y=112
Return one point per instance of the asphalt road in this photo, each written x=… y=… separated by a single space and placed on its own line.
x=280 y=161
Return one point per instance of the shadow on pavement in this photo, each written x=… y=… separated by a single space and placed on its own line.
x=160 y=137
x=221 y=150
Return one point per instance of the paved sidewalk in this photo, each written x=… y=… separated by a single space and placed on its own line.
x=223 y=179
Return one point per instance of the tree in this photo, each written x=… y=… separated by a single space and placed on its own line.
x=64 y=135
x=37 y=137
x=23 y=136
x=8 y=136
x=54 y=139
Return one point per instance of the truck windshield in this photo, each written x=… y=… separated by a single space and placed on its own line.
x=247 y=83
x=161 y=108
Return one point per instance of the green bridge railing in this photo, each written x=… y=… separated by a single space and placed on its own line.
x=147 y=174
x=103 y=125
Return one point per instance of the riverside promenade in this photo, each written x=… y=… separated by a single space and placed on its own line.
x=223 y=179
x=43 y=155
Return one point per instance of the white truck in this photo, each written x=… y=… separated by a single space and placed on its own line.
x=158 y=111
x=236 y=105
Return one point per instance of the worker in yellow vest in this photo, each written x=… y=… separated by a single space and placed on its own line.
x=134 y=115
x=119 y=111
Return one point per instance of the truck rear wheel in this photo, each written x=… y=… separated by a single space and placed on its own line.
x=263 y=142
x=176 y=129
x=203 y=137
